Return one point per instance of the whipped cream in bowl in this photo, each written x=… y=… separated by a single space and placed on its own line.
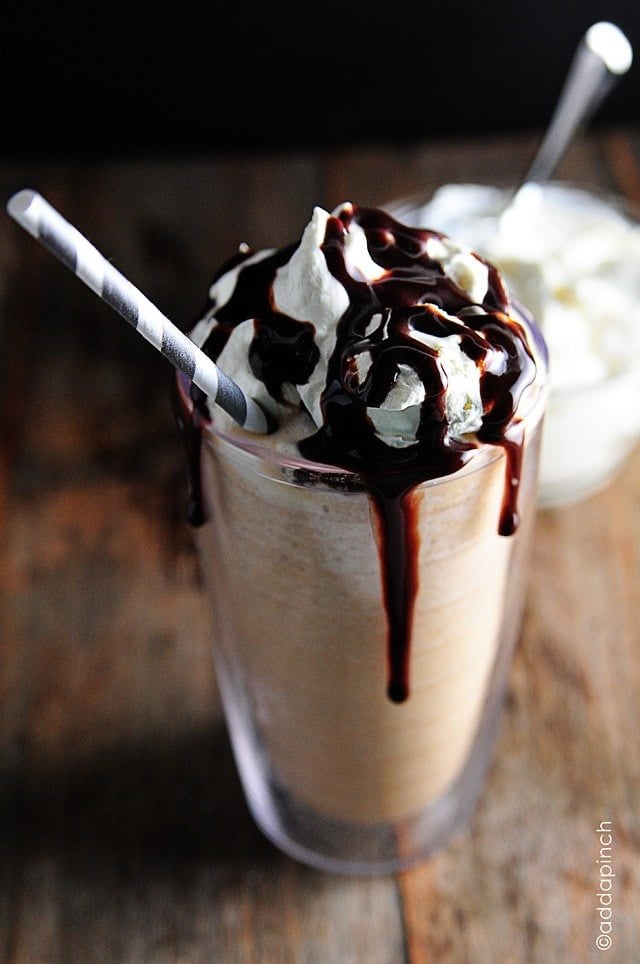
x=573 y=258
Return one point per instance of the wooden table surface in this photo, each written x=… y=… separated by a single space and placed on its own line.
x=125 y=836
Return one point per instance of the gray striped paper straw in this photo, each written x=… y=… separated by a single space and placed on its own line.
x=45 y=224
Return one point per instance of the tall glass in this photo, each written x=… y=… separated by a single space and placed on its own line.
x=336 y=774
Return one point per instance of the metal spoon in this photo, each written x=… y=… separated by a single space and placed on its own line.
x=603 y=55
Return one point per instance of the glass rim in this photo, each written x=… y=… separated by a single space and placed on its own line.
x=251 y=444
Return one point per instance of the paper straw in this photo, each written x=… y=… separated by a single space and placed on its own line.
x=64 y=241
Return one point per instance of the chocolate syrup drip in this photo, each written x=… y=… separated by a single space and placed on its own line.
x=386 y=319
x=399 y=544
x=191 y=421
x=283 y=351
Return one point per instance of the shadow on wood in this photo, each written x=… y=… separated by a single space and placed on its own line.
x=140 y=807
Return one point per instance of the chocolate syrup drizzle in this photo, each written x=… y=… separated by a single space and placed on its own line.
x=413 y=297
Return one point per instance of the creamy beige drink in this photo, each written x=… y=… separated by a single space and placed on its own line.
x=296 y=571
x=366 y=560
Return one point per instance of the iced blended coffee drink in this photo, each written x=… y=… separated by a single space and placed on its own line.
x=366 y=560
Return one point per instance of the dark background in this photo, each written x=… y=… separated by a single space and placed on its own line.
x=286 y=74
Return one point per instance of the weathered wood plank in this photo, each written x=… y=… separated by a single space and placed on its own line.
x=622 y=150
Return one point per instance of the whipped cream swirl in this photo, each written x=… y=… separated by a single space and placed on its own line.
x=400 y=344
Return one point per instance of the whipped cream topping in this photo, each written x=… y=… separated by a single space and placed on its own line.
x=407 y=291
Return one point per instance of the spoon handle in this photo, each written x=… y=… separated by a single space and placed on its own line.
x=603 y=54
